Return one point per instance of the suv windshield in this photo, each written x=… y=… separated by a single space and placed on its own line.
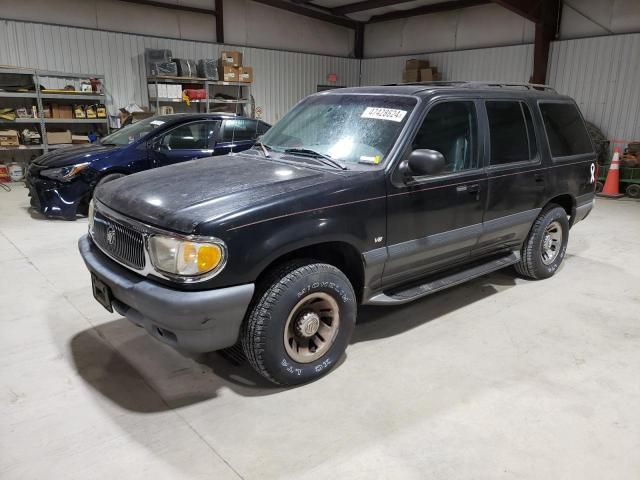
x=133 y=132
x=349 y=128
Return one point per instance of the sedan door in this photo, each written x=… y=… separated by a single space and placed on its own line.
x=185 y=142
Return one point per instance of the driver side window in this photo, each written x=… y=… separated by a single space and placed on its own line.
x=450 y=128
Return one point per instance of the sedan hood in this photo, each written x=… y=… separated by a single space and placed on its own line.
x=62 y=157
x=180 y=197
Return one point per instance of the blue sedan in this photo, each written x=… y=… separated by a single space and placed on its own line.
x=62 y=181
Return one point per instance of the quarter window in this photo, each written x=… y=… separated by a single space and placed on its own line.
x=450 y=128
x=565 y=129
x=511 y=132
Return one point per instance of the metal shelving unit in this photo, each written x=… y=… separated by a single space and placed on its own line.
x=243 y=97
x=41 y=96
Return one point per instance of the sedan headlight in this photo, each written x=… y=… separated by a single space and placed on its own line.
x=64 y=174
x=185 y=257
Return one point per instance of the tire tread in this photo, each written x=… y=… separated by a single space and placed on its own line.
x=268 y=294
x=526 y=266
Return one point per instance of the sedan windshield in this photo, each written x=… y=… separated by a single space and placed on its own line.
x=352 y=129
x=133 y=132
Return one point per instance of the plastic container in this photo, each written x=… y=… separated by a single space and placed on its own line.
x=4 y=174
x=16 y=173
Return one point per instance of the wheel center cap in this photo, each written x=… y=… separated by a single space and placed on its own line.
x=307 y=324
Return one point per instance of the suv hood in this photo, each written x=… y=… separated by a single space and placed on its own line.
x=180 y=197
x=70 y=155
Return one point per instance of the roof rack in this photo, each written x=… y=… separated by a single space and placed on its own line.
x=469 y=83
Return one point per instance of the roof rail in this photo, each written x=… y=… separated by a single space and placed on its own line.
x=473 y=83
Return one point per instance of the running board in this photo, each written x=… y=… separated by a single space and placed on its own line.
x=398 y=297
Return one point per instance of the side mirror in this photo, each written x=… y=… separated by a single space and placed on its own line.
x=425 y=162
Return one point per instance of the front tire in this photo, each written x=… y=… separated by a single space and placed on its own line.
x=546 y=244
x=301 y=323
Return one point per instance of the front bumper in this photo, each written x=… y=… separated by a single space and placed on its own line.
x=194 y=321
x=56 y=199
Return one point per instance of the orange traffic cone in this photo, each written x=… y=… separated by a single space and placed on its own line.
x=610 y=188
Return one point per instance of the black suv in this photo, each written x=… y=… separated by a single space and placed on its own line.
x=376 y=195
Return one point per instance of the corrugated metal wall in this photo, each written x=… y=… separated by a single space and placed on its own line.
x=603 y=75
x=511 y=64
x=281 y=78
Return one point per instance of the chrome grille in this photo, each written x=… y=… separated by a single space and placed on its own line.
x=122 y=242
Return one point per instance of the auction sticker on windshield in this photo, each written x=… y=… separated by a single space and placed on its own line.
x=379 y=113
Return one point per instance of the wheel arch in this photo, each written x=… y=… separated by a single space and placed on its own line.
x=340 y=254
x=567 y=202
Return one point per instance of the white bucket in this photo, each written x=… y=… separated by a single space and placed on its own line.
x=15 y=172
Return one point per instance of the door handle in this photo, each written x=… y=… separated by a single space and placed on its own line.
x=475 y=188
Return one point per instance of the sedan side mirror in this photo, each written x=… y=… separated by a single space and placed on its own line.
x=425 y=162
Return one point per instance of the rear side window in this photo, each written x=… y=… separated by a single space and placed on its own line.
x=262 y=128
x=565 y=129
x=238 y=130
x=511 y=130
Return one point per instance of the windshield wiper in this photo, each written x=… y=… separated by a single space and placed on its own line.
x=326 y=159
x=265 y=148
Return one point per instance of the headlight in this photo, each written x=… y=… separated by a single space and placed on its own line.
x=91 y=217
x=64 y=174
x=184 y=257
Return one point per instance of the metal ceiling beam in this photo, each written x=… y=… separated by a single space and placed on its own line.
x=531 y=10
x=365 y=5
x=427 y=9
x=219 y=21
x=547 y=29
x=171 y=6
x=308 y=11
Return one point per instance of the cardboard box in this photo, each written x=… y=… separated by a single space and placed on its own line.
x=231 y=58
x=411 y=76
x=415 y=64
x=245 y=74
x=9 y=138
x=229 y=73
x=79 y=139
x=426 y=74
x=61 y=111
x=174 y=91
x=56 y=138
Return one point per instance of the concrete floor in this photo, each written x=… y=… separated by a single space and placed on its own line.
x=498 y=378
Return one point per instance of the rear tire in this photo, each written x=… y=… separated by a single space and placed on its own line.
x=301 y=322
x=633 y=190
x=546 y=244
